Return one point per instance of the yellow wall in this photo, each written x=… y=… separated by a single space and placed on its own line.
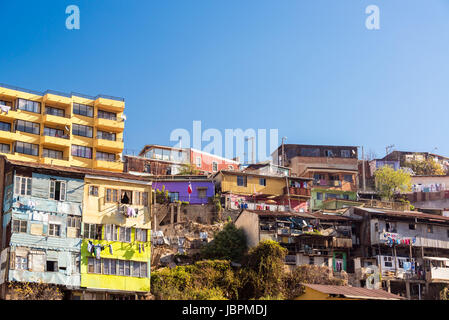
x=96 y=211
x=311 y=294
x=61 y=144
x=274 y=186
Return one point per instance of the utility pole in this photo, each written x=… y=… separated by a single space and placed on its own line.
x=363 y=169
x=388 y=148
x=283 y=156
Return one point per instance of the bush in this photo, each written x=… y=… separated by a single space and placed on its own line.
x=228 y=244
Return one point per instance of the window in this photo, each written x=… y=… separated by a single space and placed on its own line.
x=54 y=230
x=57 y=190
x=214 y=166
x=52 y=132
x=136 y=268
x=328 y=153
x=127 y=268
x=74 y=222
x=145 y=199
x=147 y=167
x=348 y=177
x=173 y=196
x=198 y=162
x=241 y=181
x=22 y=186
x=319 y=196
x=19 y=226
x=92 y=231
x=311 y=260
x=262 y=181
x=137 y=198
x=345 y=153
x=21 y=263
x=5 y=148
x=54 y=154
x=106 y=135
x=125 y=234
x=105 y=156
x=107 y=265
x=111 y=232
x=141 y=235
x=80 y=130
x=202 y=193
x=52 y=266
x=5 y=126
x=111 y=195
x=27 y=105
x=82 y=152
x=54 y=111
x=83 y=110
x=93 y=265
x=310 y=152
x=126 y=197
x=390 y=227
x=121 y=268
x=376 y=227
x=107 y=115
x=412 y=226
x=388 y=262
x=93 y=191
x=429 y=228
x=5 y=103
x=27 y=148
x=27 y=126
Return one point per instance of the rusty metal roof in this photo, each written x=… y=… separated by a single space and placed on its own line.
x=354 y=292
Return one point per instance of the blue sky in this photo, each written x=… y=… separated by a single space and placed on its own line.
x=307 y=68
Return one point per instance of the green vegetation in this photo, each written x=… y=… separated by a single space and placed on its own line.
x=189 y=169
x=389 y=181
x=425 y=167
x=228 y=244
x=261 y=276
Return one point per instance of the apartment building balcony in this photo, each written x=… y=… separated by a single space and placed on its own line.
x=110 y=104
x=295 y=191
x=108 y=165
x=27 y=137
x=57 y=120
x=117 y=125
x=57 y=98
x=55 y=141
x=55 y=162
x=109 y=145
x=8 y=136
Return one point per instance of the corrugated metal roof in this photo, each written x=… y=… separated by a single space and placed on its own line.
x=354 y=292
x=404 y=214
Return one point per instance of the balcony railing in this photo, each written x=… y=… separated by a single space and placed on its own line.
x=64 y=136
x=297 y=191
x=105 y=138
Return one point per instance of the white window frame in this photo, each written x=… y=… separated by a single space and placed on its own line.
x=214 y=166
x=110 y=233
x=198 y=163
x=62 y=190
x=19 y=183
x=124 y=236
x=53 y=233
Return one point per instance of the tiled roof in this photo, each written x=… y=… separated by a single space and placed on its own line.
x=354 y=292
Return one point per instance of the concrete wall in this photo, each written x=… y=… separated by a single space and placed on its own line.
x=249 y=222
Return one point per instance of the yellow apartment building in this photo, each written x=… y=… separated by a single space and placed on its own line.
x=116 y=222
x=62 y=129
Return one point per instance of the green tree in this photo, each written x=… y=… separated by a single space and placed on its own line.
x=425 y=167
x=389 y=181
x=263 y=275
x=189 y=169
x=228 y=244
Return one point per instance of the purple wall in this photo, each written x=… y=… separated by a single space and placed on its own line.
x=181 y=187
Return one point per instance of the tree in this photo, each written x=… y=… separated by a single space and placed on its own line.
x=228 y=244
x=189 y=169
x=389 y=181
x=34 y=291
x=263 y=275
x=425 y=167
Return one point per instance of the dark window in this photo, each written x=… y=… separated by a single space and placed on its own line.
x=241 y=181
x=173 y=196
x=27 y=126
x=5 y=126
x=319 y=196
x=92 y=231
x=57 y=190
x=126 y=197
x=19 y=226
x=105 y=156
x=412 y=226
x=52 y=132
x=348 y=177
x=106 y=135
x=54 y=154
x=5 y=148
x=27 y=105
x=54 y=111
x=93 y=191
x=125 y=234
x=345 y=153
x=107 y=115
x=310 y=152
x=83 y=110
x=263 y=181
x=52 y=266
x=82 y=152
x=27 y=148
x=83 y=131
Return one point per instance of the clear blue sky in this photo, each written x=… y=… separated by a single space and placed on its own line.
x=308 y=68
